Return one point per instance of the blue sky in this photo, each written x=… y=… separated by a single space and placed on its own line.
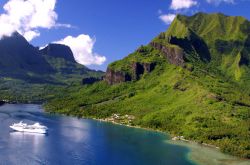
x=116 y=28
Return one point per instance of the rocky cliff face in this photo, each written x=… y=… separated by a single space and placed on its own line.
x=138 y=69
x=173 y=54
x=115 y=77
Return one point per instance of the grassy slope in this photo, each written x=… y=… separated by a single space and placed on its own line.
x=170 y=100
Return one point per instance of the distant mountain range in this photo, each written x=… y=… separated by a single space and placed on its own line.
x=22 y=64
x=192 y=80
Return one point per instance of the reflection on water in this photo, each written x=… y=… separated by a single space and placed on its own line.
x=19 y=135
x=34 y=140
x=75 y=129
x=78 y=141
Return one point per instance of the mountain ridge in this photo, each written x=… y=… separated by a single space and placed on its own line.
x=185 y=43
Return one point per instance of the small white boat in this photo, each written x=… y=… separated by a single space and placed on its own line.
x=35 y=128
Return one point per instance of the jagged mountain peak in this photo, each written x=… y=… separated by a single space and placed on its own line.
x=58 y=51
x=17 y=55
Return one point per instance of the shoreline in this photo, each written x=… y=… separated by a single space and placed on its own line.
x=131 y=126
x=200 y=153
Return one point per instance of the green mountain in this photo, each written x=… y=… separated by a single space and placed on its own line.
x=213 y=41
x=192 y=81
x=67 y=70
x=28 y=74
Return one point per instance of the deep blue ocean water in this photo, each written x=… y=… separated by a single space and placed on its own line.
x=73 y=141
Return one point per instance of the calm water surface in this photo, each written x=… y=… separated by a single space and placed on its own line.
x=80 y=141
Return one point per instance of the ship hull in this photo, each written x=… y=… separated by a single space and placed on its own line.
x=40 y=131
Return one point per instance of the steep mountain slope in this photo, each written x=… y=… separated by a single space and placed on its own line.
x=192 y=80
x=227 y=39
x=215 y=41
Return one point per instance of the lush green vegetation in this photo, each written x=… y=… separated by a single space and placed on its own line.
x=33 y=88
x=199 y=106
x=40 y=88
x=18 y=91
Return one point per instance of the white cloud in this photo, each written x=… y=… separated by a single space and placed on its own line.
x=27 y=16
x=182 y=4
x=167 y=18
x=64 y=25
x=217 y=2
x=82 y=48
x=29 y=35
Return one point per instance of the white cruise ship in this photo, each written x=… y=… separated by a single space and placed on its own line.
x=35 y=128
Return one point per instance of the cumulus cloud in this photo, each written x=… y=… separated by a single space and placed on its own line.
x=217 y=2
x=27 y=16
x=167 y=18
x=82 y=48
x=182 y=4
